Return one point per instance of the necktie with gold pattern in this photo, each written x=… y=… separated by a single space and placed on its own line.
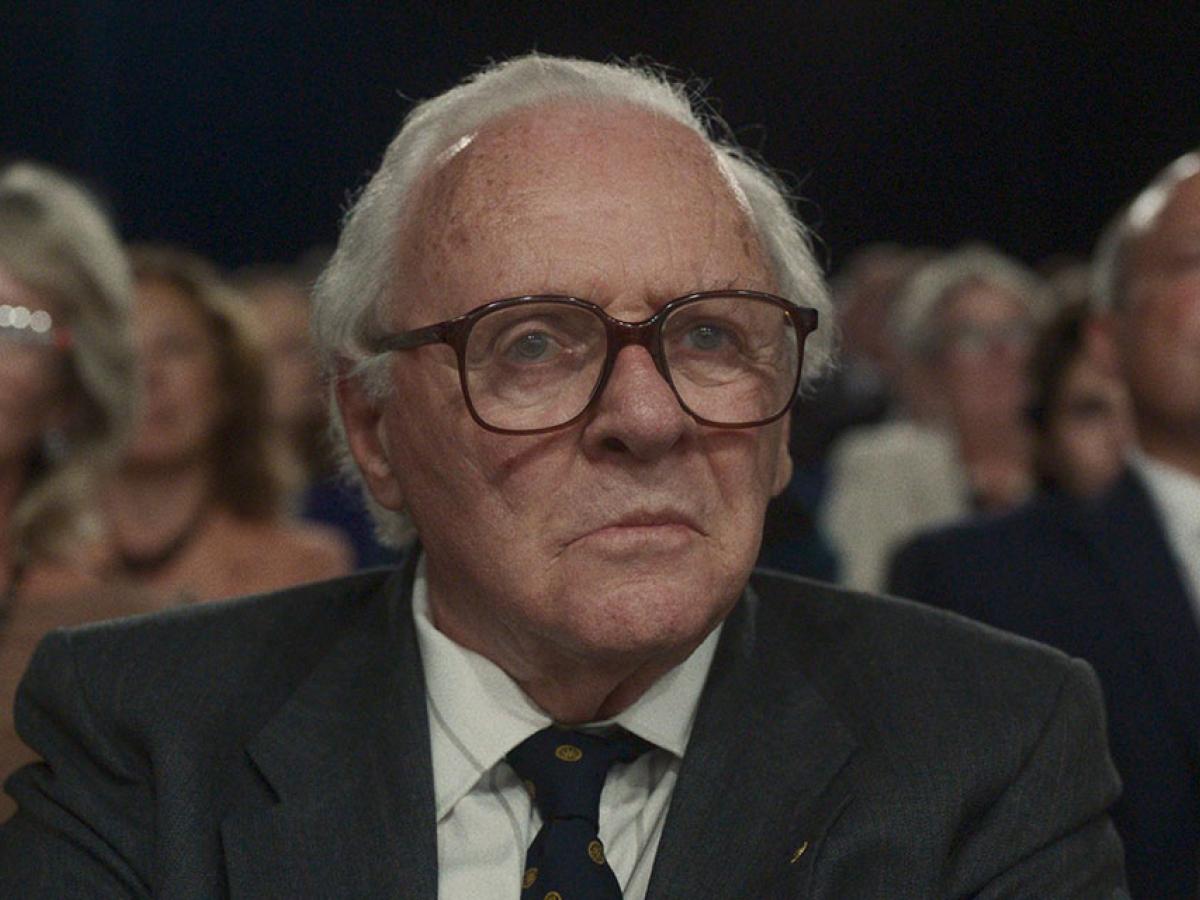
x=565 y=772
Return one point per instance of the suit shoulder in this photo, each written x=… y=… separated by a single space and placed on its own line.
x=882 y=659
x=1027 y=526
x=880 y=620
x=212 y=652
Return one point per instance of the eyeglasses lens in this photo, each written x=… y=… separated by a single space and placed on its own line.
x=732 y=360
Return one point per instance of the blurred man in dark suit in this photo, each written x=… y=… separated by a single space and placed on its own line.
x=1118 y=582
x=567 y=326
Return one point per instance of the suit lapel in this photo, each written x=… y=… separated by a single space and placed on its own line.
x=756 y=790
x=1127 y=537
x=348 y=759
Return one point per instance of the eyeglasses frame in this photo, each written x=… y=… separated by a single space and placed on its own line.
x=59 y=338
x=618 y=335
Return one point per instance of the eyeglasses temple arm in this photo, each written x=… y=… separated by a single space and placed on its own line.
x=407 y=340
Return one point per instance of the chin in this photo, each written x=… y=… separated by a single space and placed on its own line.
x=649 y=614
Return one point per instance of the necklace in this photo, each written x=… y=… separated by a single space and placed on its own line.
x=149 y=563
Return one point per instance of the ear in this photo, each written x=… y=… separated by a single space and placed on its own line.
x=783 y=460
x=366 y=434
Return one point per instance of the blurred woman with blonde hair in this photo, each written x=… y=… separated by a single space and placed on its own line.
x=67 y=392
x=196 y=509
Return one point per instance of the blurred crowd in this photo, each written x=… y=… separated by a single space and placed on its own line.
x=968 y=384
x=163 y=423
x=162 y=429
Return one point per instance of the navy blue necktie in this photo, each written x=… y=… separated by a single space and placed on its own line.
x=564 y=771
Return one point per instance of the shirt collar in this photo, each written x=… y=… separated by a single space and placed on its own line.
x=1175 y=492
x=478 y=713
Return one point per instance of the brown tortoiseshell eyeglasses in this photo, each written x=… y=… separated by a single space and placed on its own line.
x=533 y=364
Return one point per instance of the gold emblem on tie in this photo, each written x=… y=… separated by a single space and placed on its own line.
x=568 y=753
x=799 y=852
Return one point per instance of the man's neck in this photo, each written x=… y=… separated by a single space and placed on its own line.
x=586 y=693
x=571 y=689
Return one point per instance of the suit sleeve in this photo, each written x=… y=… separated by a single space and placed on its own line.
x=83 y=827
x=1048 y=833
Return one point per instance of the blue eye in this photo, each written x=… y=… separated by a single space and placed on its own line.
x=707 y=337
x=532 y=347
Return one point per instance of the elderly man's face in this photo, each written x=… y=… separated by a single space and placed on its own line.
x=1159 y=337
x=631 y=533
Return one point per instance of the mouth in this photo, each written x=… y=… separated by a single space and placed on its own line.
x=643 y=531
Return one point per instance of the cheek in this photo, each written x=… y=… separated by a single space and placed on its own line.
x=30 y=401
x=748 y=467
x=445 y=465
x=204 y=392
x=1080 y=444
x=1167 y=322
x=31 y=384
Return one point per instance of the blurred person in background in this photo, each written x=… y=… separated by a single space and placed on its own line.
x=66 y=401
x=280 y=303
x=196 y=509
x=1069 y=277
x=295 y=399
x=1080 y=411
x=1116 y=581
x=962 y=328
x=859 y=391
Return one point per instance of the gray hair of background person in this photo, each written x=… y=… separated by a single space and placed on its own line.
x=914 y=324
x=55 y=240
x=1108 y=259
x=350 y=300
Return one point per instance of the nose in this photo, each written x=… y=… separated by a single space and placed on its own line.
x=637 y=412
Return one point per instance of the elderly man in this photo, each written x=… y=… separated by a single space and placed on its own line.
x=1119 y=583
x=568 y=326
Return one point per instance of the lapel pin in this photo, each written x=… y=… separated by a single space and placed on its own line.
x=799 y=852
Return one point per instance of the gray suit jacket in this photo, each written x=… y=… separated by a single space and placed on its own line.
x=845 y=746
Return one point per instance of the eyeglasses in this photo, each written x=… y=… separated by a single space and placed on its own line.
x=32 y=327
x=972 y=339
x=533 y=364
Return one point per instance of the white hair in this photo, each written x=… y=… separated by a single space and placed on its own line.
x=914 y=318
x=350 y=296
x=1134 y=219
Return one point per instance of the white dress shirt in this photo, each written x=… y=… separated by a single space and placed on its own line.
x=1176 y=495
x=485 y=820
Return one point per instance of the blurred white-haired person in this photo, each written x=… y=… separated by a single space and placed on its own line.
x=1114 y=578
x=66 y=400
x=963 y=329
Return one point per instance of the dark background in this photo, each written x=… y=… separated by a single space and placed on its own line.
x=241 y=129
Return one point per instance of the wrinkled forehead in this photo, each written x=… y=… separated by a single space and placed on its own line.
x=523 y=163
